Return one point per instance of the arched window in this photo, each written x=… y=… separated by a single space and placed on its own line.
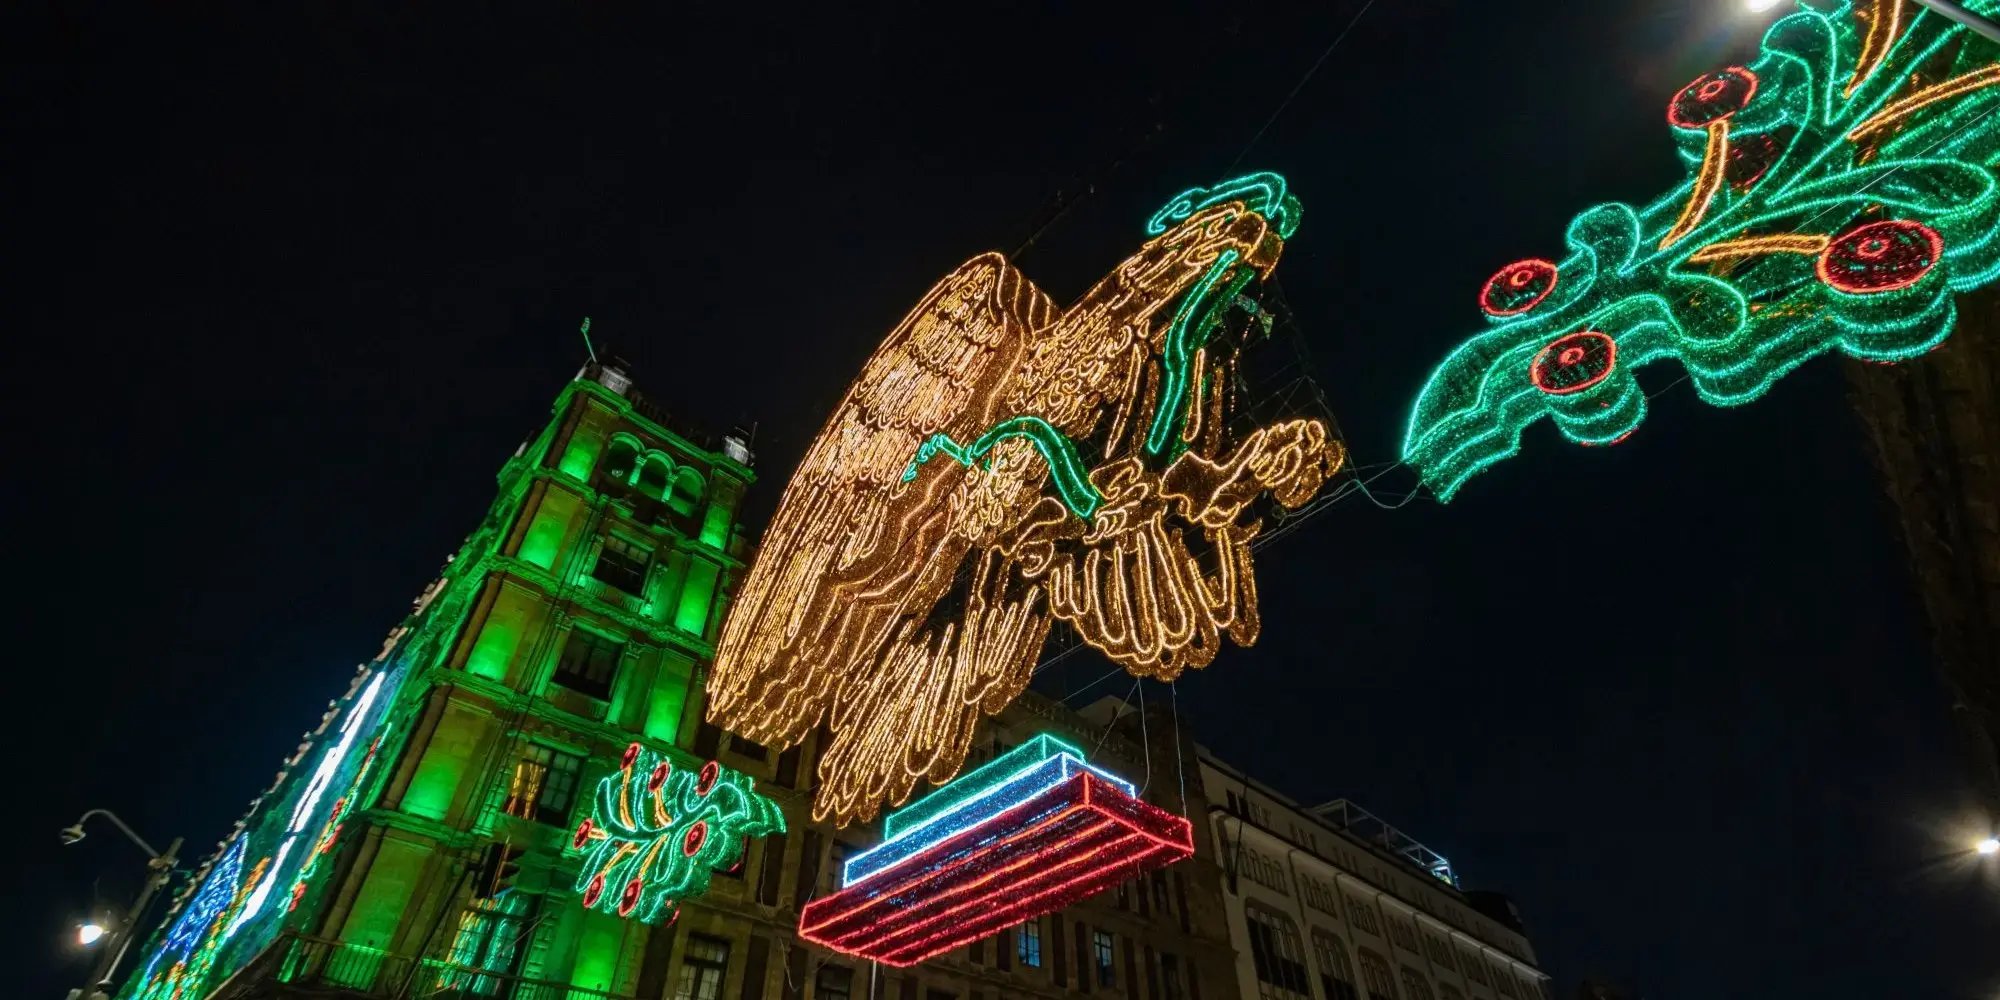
x=1416 y=985
x=1376 y=978
x=622 y=457
x=655 y=471
x=1277 y=955
x=1336 y=974
x=687 y=491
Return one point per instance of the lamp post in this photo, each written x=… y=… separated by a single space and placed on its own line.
x=159 y=868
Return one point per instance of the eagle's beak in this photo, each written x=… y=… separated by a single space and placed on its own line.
x=1263 y=258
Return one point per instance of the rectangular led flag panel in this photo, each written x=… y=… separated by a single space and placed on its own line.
x=1032 y=831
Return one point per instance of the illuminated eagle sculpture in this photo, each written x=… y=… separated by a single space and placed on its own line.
x=1841 y=191
x=1002 y=463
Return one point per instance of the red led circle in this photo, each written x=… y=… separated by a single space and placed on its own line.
x=696 y=836
x=1574 y=362
x=1751 y=156
x=1518 y=287
x=629 y=899
x=659 y=776
x=709 y=772
x=1712 y=98
x=583 y=833
x=1880 y=257
x=631 y=755
x=594 y=891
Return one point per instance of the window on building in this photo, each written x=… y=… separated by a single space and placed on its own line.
x=1170 y=978
x=588 y=663
x=703 y=968
x=622 y=564
x=1438 y=950
x=1503 y=982
x=543 y=787
x=488 y=940
x=1416 y=985
x=686 y=492
x=1101 y=948
x=1028 y=947
x=834 y=982
x=1446 y=991
x=1473 y=966
x=745 y=747
x=653 y=472
x=1402 y=932
x=1363 y=916
x=1277 y=955
x=1160 y=893
x=1376 y=979
x=1336 y=974
x=620 y=458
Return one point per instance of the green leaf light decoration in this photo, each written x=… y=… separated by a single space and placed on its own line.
x=657 y=832
x=1842 y=191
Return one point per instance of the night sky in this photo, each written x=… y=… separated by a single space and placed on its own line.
x=289 y=286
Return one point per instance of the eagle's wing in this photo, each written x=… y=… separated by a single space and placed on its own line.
x=839 y=570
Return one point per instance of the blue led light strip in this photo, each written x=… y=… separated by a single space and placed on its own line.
x=1002 y=783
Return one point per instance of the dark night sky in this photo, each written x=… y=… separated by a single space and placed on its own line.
x=297 y=282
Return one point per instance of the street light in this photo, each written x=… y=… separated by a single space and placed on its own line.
x=1990 y=845
x=118 y=937
x=1953 y=9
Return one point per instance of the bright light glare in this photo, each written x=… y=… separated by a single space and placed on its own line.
x=1760 y=6
x=88 y=934
x=1988 y=846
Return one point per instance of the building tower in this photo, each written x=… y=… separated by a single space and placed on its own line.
x=575 y=621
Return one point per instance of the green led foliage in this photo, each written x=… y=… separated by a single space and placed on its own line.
x=1842 y=190
x=657 y=832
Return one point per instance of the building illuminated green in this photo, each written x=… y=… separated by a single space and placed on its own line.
x=576 y=620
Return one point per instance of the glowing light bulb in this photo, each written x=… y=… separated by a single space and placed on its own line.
x=1988 y=846
x=1760 y=6
x=89 y=934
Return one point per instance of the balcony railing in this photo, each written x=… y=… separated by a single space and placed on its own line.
x=343 y=969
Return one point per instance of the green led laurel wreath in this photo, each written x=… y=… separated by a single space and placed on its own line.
x=656 y=833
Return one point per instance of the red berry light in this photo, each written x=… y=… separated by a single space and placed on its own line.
x=1518 y=287
x=594 y=891
x=706 y=783
x=1880 y=257
x=696 y=836
x=631 y=755
x=1711 y=98
x=1574 y=362
x=659 y=777
x=583 y=830
x=1752 y=156
x=629 y=899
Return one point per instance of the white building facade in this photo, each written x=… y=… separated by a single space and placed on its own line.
x=1322 y=909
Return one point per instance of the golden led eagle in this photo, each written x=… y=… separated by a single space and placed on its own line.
x=1002 y=463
